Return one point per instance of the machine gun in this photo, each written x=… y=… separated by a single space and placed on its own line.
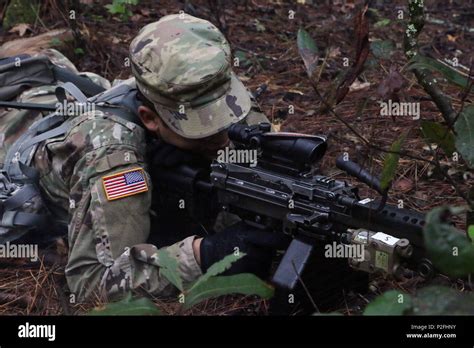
x=281 y=192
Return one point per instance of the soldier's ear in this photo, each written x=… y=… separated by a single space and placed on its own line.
x=150 y=119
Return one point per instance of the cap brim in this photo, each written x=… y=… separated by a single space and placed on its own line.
x=211 y=118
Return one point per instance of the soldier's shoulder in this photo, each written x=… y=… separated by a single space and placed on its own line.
x=95 y=141
x=95 y=129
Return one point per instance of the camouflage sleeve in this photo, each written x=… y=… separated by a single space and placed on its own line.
x=107 y=236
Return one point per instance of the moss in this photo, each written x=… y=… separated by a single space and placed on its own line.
x=20 y=11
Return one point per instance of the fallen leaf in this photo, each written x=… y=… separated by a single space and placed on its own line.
x=295 y=91
x=258 y=25
x=422 y=196
x=136 y=17
x=352 y=138
x=357 y=86
x=403 y=185
x=427 y=147
x=391 y=85
x=334 y=52
x=308 y=51
x=452 y=171
x=347 y=6
x=451 y=38
x=244 y=78
x=20 y=29
x=145 y=12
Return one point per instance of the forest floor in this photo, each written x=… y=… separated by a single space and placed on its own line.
x=263 y=37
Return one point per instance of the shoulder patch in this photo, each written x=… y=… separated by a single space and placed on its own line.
x=126 y=183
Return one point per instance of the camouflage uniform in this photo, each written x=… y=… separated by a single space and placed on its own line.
x=178 y=62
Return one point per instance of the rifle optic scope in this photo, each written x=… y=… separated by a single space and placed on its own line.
x=300 y=150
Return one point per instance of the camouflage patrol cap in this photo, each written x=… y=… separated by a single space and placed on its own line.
x=182 y=65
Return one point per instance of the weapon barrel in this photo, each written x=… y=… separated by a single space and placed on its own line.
x=402 y=223
x=28 y=106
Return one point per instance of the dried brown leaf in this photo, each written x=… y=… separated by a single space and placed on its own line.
x=21 y=29
x=391 y=85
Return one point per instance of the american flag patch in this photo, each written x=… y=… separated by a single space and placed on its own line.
x=123 y=184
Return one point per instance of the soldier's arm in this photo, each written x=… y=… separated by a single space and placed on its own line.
x=107 y=237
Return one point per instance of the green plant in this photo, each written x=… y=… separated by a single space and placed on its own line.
x=431 y=300
x=209 y=285
x=121 y=8
x=453 y=254
x=391 y=162
x=128 y=306
x=79 y=51
x=450 y=250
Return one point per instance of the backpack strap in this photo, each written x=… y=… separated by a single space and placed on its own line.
x=21 y=219
x=27 y=192
x=73 y=90
x=17 y=196
x=19 y=154
x=87 y=86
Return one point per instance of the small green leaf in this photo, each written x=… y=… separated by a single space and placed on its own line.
x=56 y=42
x=392 y=302
x=382 y=49
x=382 y=23
x=127 y=14
x=169 y=268
x=246 y=284
x=115 y=8
x=218 y=268
x=449 y=249
x=441 y=300
x=244 y=62
x=435 y=132
x=423 y=62
x=97 y=18
x=470 y=232
x=391 y=162
x=432 y=300
x=308 y=51
x=128 y=306
x=78 y=51
x=259 y=26
x=464 y=127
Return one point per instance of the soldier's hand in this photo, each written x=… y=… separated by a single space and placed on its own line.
x=258 y=245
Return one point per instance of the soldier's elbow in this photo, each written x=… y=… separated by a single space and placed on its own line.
x=84 y=282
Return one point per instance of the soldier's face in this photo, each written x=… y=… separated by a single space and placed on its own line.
x=207 y=147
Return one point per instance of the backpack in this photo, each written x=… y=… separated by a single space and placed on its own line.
x=23 y=213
